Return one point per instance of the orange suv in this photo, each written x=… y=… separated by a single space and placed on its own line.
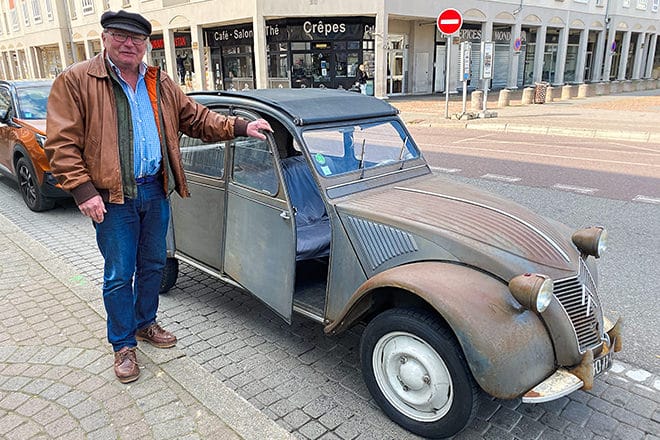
x=22 y=137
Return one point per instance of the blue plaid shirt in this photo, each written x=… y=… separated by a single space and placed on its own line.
x=146 y=142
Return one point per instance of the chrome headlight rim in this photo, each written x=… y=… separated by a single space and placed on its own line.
x=533 y=291
x=591 y=241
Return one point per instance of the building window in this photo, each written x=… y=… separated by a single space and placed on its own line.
x=15 y=25
x=642 y=5
x=656 y=4
x=126 y=3
x=625 y=3
x=26 y=13
x=106 y=5
x=36 y=11
x=49 y=10
x=87 y=7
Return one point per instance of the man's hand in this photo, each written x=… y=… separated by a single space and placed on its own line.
x=93 y=208
x=255 y=128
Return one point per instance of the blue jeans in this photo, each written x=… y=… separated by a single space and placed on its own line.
x=131 y=239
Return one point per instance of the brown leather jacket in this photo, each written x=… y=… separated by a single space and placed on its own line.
x=82 y=139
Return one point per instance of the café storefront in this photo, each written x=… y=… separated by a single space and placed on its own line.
x=301 y=52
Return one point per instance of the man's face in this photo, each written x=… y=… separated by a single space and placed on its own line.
x=126 y=54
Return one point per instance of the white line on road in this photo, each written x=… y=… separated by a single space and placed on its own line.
x=577 y=189
x=446 y=170
x=501 y=177
x=645 y=199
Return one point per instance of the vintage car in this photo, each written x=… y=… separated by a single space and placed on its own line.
x=338 y=217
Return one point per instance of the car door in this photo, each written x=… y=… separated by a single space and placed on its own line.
x=260 y=242
x=198 y=222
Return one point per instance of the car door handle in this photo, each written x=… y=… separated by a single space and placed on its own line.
x=285 y=215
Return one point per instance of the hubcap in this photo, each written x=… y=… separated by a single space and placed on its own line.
x=27 y=184
x=412 y=376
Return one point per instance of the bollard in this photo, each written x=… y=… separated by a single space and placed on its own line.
x=477 y=100
x=549 y=97
x=614 y=87
x=566 y=92
x=504 y=100
x=584 y=91
x=527 y=95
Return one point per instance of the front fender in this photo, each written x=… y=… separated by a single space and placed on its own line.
x=507 y=347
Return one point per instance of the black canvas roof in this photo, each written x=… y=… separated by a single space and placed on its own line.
x=307 y=106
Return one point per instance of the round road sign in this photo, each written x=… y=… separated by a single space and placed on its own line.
x=449 y=21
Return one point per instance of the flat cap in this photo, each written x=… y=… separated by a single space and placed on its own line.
x=126 y=21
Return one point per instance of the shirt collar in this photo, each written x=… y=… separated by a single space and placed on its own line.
x=142 y=68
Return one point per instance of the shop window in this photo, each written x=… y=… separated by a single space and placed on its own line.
x=36 y=11
x=300 y=46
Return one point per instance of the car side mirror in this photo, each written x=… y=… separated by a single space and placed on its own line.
x=5 y=109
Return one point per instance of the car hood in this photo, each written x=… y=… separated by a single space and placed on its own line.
x=473 y=226
x=38 y=125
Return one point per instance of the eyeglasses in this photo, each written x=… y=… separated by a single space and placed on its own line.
x=120 y=37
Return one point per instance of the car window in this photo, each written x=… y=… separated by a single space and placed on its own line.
x=205 y=158
x=254 y=166
x=344 y=149
x=32 y=102
x=5 y=103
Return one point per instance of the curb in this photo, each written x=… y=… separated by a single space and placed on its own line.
x=239 y=415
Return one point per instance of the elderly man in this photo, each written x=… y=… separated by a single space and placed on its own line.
x=113 y=125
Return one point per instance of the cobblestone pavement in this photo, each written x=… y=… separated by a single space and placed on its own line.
x=306 y=382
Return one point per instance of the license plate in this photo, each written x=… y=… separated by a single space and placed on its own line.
x=603 y=363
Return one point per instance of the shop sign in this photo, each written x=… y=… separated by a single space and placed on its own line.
x=180 y=40
x=327 y=29
x=243 y=34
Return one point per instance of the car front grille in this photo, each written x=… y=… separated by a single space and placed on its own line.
x=579 y=297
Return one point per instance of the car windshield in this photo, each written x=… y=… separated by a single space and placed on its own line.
x=32 y=102
x=351 y=148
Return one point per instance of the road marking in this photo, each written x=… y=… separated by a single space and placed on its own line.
x=501 y=177
x=645 y=199
x=446 y=170
x=577 y=189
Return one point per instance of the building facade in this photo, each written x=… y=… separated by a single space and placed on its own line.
x=232 y=44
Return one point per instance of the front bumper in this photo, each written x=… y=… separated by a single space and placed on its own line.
x=565 y=381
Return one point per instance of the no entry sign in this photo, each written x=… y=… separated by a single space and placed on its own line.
x=449 y=21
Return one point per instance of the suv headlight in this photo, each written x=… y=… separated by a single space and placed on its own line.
x=41 y=139
x=532 y=290
x=591 y=241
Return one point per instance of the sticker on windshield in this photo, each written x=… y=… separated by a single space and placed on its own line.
x=319 y=158
x=326 y=170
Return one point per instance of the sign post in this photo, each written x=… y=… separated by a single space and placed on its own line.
x=465 y=61
x=487 y=49
x=449 y=22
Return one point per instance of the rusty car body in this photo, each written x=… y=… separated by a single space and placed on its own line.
x=338 y=217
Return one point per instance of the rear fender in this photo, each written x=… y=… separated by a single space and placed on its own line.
x=506 y=346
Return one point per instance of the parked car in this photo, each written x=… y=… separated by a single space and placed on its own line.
x=338 y=217
x=22 y=137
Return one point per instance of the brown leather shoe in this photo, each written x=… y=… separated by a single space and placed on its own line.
x=156 y=336
x=126 y=366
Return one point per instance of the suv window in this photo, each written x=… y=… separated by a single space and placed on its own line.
x=254 y=166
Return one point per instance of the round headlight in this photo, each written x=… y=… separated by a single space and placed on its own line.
x=533 y=291
x=591 y=241
x=544 y=295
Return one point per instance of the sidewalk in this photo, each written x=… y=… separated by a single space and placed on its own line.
x=631 y=116
x=56 y=376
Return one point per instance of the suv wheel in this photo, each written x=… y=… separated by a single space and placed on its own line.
x=416 y=372
x=29 y=187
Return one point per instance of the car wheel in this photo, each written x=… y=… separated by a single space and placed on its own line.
x=170 y=274
x=28 y=184
x=417 y=373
